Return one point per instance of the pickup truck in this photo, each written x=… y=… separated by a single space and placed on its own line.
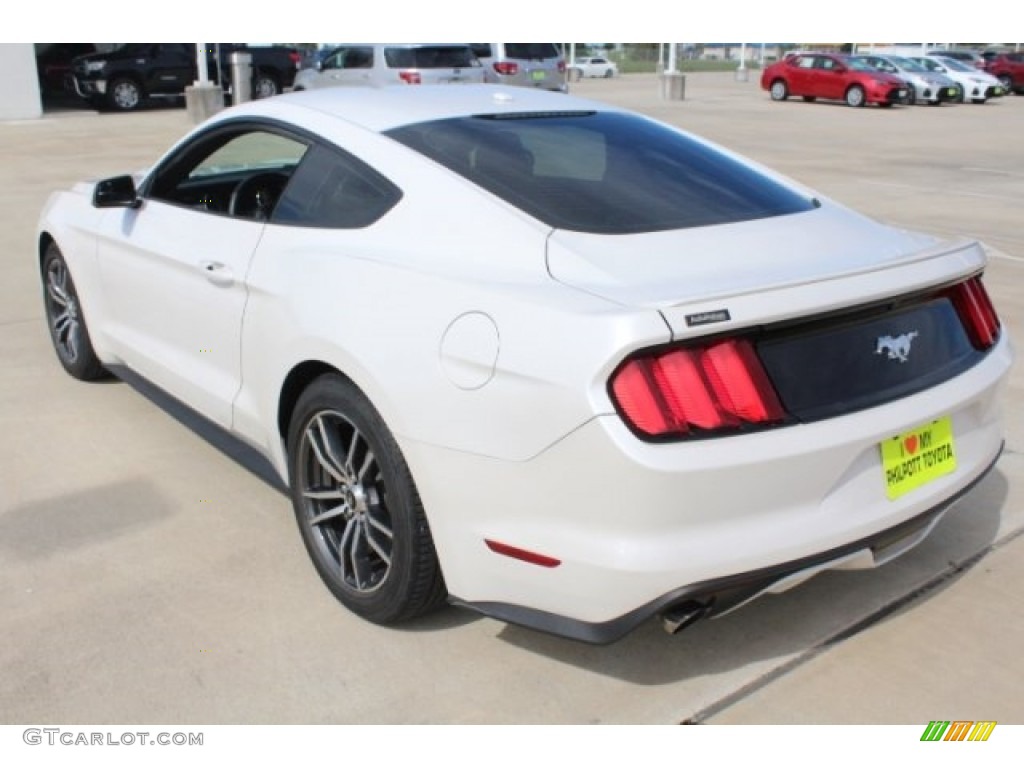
x=124 y=77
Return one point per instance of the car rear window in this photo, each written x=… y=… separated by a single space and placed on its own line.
x=430 y=57
x=601 y=172
x=531 y=50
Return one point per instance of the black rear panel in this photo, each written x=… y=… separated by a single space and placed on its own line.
x=850 y=364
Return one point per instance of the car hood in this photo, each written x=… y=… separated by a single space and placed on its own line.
x=661 y=270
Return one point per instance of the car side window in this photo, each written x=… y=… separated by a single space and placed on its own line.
x=481 y=50
x=358 y=58
x=332 y=189
x=805 y=62
x=333 y=61
x=239 y=172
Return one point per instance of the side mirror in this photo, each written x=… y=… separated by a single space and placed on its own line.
x=118 y=192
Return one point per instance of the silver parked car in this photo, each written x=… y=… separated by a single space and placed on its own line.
x=536 y=65
x=925 y=86
x=380 y=64
x=976 y=85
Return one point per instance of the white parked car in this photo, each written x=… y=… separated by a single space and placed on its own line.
x=595 y=66
x=925 y=86
x=542 y=357
x=976 y=85
x=382 y=64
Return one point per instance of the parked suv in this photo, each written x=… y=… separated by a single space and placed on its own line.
x=380 y=64
x=124 y=77
x=1009 y=68
x=537 y=65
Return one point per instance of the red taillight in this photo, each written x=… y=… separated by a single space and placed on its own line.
x=295 y=57
x=410 y=77
x=972 y=304
x=561 y=65
x=719 y=387
x=506 y=67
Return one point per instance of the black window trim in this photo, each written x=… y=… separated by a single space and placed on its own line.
x=184 y=153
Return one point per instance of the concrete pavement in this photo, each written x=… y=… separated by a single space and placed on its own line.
x=147 y=576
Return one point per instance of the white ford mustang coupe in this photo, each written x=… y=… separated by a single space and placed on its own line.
x=538 y=356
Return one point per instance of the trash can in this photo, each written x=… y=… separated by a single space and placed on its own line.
x=241 y=77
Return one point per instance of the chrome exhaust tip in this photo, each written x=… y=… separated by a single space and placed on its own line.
x=676 y=618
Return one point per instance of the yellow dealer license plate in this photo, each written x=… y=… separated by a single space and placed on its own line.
x=917 y=457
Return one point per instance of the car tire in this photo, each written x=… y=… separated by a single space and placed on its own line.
x=809 y=98
x=357 y=507
x=264 y=86
x=66 y=321
x=855 y=96
x=608 y=73
x=779 y=90
x=124 y=94
x=1007 y=82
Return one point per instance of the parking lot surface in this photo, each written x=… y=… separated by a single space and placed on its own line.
x=148 y=575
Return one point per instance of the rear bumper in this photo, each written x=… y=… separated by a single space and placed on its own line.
x=639 y=527
x=715 y=597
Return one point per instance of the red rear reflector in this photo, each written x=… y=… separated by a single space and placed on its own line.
x=410 y=78
x=506 y=67
x=719 y=387
x=522 y=554
x=973 y=305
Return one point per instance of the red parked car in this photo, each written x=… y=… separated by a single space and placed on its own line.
x=1008 y=67
x=832 y=76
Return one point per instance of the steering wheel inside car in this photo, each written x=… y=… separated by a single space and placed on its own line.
x=256 y=196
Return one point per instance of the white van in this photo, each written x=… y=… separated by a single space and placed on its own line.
x=380 y=64
x=537 y=65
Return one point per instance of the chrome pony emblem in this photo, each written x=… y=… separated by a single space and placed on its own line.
x=898 y=347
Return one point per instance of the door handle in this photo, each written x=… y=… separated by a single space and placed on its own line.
x=217 y=273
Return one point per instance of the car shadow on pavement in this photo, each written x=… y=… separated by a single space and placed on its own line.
x=67 y=523
x=777 y=628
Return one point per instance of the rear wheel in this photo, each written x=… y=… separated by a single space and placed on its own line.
x=357 y=507
x=855 y=96
x=779 y=90
x=66 y=321
x=264 y=86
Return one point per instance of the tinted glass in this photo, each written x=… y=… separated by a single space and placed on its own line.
x=531 y=50
x=601 y=172
x=430 y=57
x=333 y=189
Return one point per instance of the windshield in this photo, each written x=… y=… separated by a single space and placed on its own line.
x=958 y=66
x=908 y=64
x=598 y=172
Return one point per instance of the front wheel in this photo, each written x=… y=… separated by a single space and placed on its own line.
x=66 y=321
x=779 y=91
x=1007 y=82
x=855 y=96
x=609 y=73
x=357 y=506
x=124 y=94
